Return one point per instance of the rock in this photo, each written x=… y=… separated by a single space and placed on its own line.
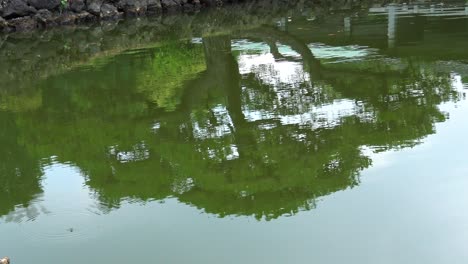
x=5 y=260
x=44 y=18
x=15 y=8
x=44 y=14
x=44 y=4
x=3 y=25
x=94 y=7
x=139 y=7
x=190 y=7
x=84 y=17
x=154 y=6
x=3 y=28
x=22 y=23
x=67 y=18
x=170 y=4
x=108 y=11
x=133 y=7
x=76 y=5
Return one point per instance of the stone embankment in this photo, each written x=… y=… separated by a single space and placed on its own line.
x=23 y=15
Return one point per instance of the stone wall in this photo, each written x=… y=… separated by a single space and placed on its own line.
x=23 y=15
x=28 y=15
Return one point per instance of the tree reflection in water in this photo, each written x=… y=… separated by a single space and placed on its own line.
x=246 y=124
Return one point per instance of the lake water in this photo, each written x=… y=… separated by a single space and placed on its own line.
x=306 y=137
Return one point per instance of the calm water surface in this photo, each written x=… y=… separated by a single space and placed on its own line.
x=307 y=138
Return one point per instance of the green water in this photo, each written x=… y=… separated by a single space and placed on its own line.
x=305 y=138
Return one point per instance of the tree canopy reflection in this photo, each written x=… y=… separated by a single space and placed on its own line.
x=251 y=124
